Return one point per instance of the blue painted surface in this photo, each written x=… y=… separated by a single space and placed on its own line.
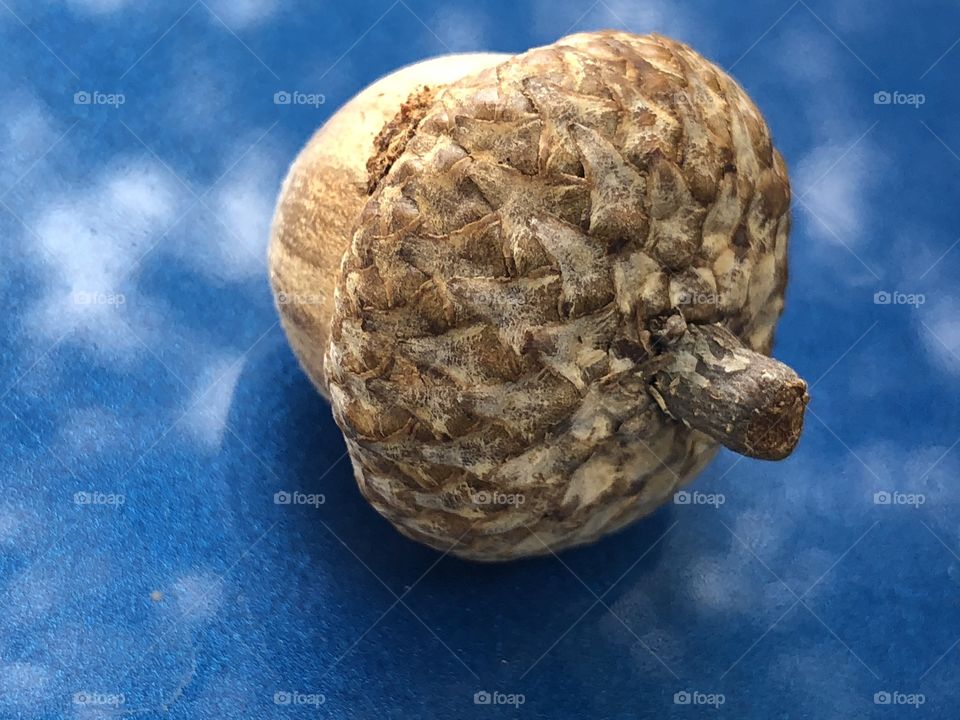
x=175 y=405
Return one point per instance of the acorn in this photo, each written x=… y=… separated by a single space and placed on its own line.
x=540 y=290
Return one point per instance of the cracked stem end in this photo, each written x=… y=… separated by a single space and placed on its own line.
x=748 y=402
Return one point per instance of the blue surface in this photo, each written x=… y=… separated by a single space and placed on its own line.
x=183 y=591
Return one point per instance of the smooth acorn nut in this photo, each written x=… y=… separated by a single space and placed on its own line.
x=540 y=290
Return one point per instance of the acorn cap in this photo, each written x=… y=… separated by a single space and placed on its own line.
x=558 y=255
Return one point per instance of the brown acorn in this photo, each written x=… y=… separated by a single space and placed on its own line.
x=540 y=290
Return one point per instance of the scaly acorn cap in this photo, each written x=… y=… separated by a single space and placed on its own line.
x=559 y=294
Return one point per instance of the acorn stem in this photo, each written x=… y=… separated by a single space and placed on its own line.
x=748 y=402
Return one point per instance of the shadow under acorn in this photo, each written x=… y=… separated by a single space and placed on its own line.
x=288 y=428
x=342 y=604
x=346 y=565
